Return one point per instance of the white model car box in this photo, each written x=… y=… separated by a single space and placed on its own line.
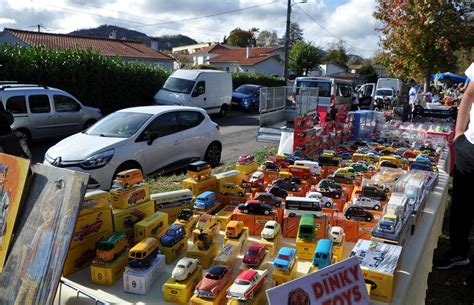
x=140 y=280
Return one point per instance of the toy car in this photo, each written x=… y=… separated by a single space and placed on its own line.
x=367 y=203
x=127 y=179
x=246 y=285
x=328 y=192
x=246 y=159
x=278 y=191
x=270 y=166
x=213 y=282
x=184 y=268
x=324 y=202
x=268 y=198
x=232 y=189
x=234 y=228
x=340 y=179
x=358 y=212
x=346 y=172
x=88 y=229
x=257 y=179
x=173 y=235
x=369 y=166
x=387 y=163
x=254 y=255
x=359 y=167
x=381 y=186
x=286 y=185
x=336 y=234
x=255 y=207
x=85 y=257
x=205 y=200
x=329 y=184
x=206 y=222
x=373 y=192
x=285 y=259
x=328 y=160
x=271 y=230
x=185 y=214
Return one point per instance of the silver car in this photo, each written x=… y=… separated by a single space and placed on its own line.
x=44 y=112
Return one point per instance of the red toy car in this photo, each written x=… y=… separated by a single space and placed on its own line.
x=87 y=229
x=254 y=255
x=213 y=282
x=246 y=159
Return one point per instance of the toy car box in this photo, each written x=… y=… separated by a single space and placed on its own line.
x=125 y=198
x=94 y=201
x=90 y=225
x=151 y=226
x=140 y=280
x=125 y=219
x=201 y=186
x=109 y=273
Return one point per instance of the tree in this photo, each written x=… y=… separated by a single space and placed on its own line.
x=337 y=54
x=242 y=38
x=367 y=72
x=355 y=60
x=303 y=58
x=296 y=34
x=420 y=37
x=266 y=38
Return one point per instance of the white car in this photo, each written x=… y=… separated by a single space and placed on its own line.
x=336 y=234
x=324 y=202
x=366 y=164
x=247 y=284
x=271 y=229
x=155 y=139
x=367 y=203
x=184 y=268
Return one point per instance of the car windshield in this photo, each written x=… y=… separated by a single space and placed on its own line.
x=242 y=282
x=270 y=227
x=178 y=85
x=180 y=266
x=247 y=89
x=252 y=253
x=324 y=87
x=284 y=257
x=213 y=276
x=119 y=125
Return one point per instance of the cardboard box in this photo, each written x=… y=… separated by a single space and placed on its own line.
x=126 y=198
x=305 y=249
x=254 y=223
x=175 y=251
x=205 y=257
x=109 y=273
x=173 y=211
x=94 y=201
x=151 y=226
x=140 y=281
x=90 y=225
x=378 y=262
x=351 y=228
x=201 y=186
x=269 y=176
x=242 y=239
x=290 y=226
x=232 y=200
x=181 y=292
x=247 y=168
x=125 y=219
x=272 y=245
x=82 y=254
x=225 y=215
x=228 y=254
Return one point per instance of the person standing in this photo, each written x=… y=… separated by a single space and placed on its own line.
x=462 y=210
x=9 y=142
x=413 y=96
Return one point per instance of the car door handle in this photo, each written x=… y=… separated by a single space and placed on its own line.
x=205 y=99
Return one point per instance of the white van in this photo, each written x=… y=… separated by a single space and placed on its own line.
x=207 y=89
x=313 y=166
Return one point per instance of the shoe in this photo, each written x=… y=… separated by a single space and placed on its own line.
x=449 y=262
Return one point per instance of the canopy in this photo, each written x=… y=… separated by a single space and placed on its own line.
x=451 y=76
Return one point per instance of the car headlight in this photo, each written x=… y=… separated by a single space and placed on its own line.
x=98 y=160
x=246 y=101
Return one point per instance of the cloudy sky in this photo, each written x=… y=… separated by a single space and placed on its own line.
x=323 y=21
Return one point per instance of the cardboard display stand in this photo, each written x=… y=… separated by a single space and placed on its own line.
x=140 y=280
x=181 y=291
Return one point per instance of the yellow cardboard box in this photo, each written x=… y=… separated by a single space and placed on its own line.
x=109 y=273
x=173 y=211
x=305 y=249
x=151 y=226
x=181 y=292
x=123 y=199
x=205 y=257
x=247 y=168
x=94 y=201
x=92 y=224
x=175 y=251
x=201 y=186
x=225 y=215
x=124 y=219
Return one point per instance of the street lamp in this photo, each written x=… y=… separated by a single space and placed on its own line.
x=287 y=38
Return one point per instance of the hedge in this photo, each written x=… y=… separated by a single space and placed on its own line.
x=96 y=80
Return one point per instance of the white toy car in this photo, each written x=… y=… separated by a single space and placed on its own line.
x=367 y=203
x=336 y=234
x=271 y=229
x=324 y=202
x=247 y=284
x=184 y=268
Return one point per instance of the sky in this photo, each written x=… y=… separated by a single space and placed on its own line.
x=323 y=21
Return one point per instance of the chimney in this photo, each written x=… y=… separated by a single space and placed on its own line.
x=154 y=45
x=247 y=53
x=113 y=34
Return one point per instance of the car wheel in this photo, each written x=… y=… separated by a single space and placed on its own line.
x=241 y=194
x=223 y=111
x=328 y=204
x=267 y=212
x=348 y=217
x=376 y=207
x=368 y=218
x=88 y=124
x=245 y=211
x=213 y=154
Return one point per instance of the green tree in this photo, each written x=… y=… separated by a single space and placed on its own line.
x=420 y=37
x=355 y=60
x=242 y=38
x=367 y=72
x=266 y=38
x=337 y=54
x=303 y=58
x=296 y=34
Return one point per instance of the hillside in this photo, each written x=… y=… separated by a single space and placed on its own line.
x=165 y=42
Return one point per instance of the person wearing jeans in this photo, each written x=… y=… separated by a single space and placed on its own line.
x=462 y=209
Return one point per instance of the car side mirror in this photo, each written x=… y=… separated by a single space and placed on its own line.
x=152 y=136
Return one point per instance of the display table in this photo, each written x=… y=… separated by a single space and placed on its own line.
x=410 y=285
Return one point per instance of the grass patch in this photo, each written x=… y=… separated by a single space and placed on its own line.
x=169 y=183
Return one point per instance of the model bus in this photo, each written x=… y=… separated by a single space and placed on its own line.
x=109 y=248
x=297 y=206
x=143 y=253
x=172 y=199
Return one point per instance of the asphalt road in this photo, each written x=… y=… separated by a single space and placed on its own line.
x=239 y=131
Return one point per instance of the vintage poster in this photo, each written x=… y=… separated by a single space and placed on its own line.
x=13 y=172
x=42 y=235
x=341 y=283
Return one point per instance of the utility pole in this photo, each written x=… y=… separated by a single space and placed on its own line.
x=287 y=39
x=39 y=28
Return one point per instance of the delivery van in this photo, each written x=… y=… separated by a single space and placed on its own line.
x=207 y=89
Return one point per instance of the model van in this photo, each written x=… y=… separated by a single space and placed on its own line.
x=127 y=179
x=323 y=253
x=143 y=253
x=205 y=200
x=199 y=169
x=109 y=248
x=306 y=228
x=234 y=229
x=313 y=166
x=207 y=89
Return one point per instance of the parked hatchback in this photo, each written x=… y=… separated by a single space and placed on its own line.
x=45 y=112
x=155 y=139
x=246 y=97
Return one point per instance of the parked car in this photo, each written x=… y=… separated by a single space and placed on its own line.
x=268 y=198
x=374 y=192
x=367 y=203
x=271 y=166
x=254 y=255
x=246 y=97
x=150 y=138
x=247 y=284
x=206 y=222
x=285 y=259
x=368 y=165
x=359 y=167
x=173 y=235
x=270 y=230
x=213 y=282
x=278 y=191
x=184 y=268
x=286 y=185
x=255 y=207
x=358 y=212
x=44 y=112
x=231 y=189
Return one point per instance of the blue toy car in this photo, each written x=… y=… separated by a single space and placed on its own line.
x=420 y=165
x=246 y=97
x=205 y=200
x=323 y=253
x=173 y=235
x=285 y=259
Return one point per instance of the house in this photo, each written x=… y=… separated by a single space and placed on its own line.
x=130 y=51
x=190 y=49
x=265 y=60
x=328 y=70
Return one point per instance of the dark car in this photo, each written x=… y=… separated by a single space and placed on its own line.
x=331 y=193
x=387 y=163
x=271 y=166
x=185 y=214
x=328 y=161
x=268 y=198
x=286 y=185
x=246 y=97
x=358 y=212
x=278 y=191
x=374 y=192
x=328 y=183
x=345 y=155
x=173 y=235
x=341 y=179
x=255 y=207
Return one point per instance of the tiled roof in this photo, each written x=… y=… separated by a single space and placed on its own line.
x=215 y=48
x=107 y=47
x=239 y=55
